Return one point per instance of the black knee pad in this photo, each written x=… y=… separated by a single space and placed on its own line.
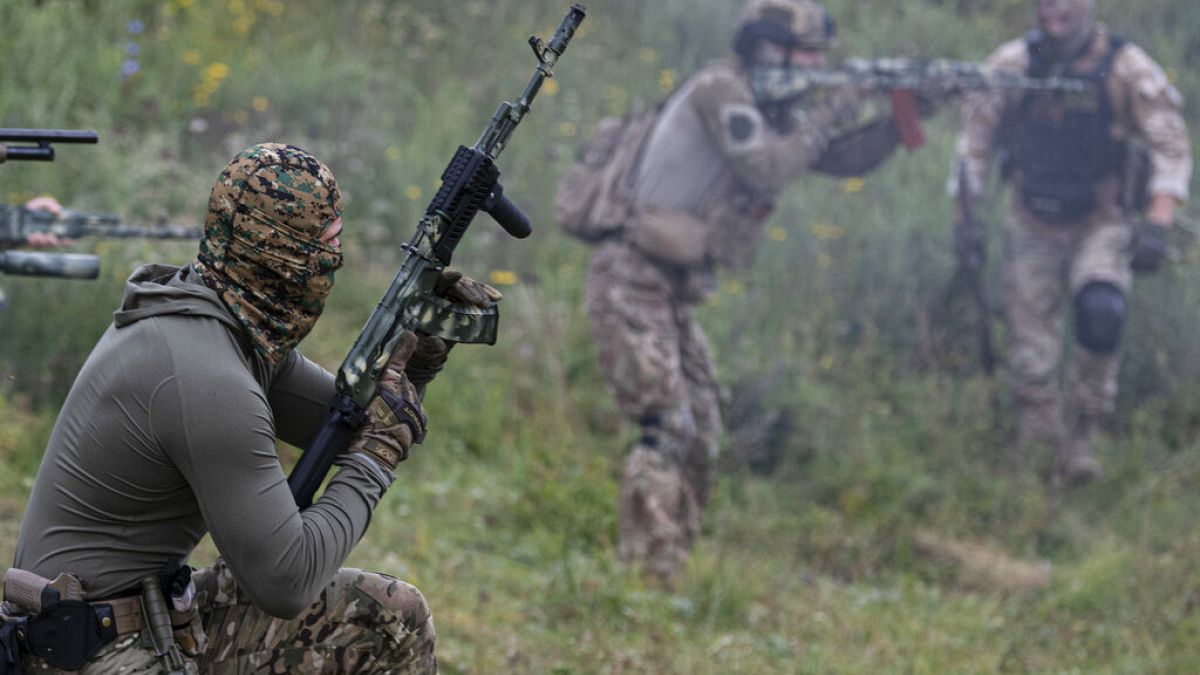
x=1099 y=317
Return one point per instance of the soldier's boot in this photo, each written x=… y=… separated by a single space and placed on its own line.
x=1076 y=463
x=1039 y=434
x=659 y=517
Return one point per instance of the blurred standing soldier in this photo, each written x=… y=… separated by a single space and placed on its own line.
x=169 y=432
x=706 y=179
x=1069 y=241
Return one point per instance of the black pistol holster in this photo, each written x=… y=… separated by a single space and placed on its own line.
x=61 y=628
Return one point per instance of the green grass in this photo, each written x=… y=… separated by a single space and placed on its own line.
x=505 y=518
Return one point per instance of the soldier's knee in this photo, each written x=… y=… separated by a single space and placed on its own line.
x=397 y=599
x=1099 y=317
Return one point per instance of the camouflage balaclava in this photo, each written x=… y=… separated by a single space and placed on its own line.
x=261 y=250
x=1081 y=16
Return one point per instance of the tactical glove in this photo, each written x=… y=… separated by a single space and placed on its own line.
x=970 y=245
x=1149 y=247
x=430 y=355
x=395 y=419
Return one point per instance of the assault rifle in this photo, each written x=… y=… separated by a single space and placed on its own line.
x=18 y=222
x=36 y=143
x=469 y=185
x=903 y=78
x=968 y=274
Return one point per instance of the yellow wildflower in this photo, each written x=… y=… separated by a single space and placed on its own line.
x=667 y=79
x=827 y=362
x=734 y=287
x=648 y=54
x=550 y=87
x=241 y=117
x=568 y=129
x=216 y=71
x=260 y=103
x=394 y=154
x=853 y=185
x=413 y=192
x=825 y=231
x=191 y=57
x=777 y=233
x=502 y=278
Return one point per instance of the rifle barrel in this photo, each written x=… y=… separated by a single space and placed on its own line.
x=48 y=136
x=35 y=264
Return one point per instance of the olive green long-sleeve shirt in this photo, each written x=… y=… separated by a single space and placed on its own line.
x=168 y=432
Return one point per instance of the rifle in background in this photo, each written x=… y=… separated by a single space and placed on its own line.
x=970 y=249
x=905 y=79
x=35 y=144
x=18 y=222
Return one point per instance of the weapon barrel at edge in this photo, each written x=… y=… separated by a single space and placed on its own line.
x=49 y=135
x=34 y=264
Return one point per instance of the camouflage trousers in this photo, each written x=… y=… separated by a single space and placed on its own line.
x=361 y=623
x=1044 y=266
x=656 y=361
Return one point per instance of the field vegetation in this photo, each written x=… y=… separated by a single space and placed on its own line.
x=889 y=536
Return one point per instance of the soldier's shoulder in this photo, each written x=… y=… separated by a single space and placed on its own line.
x=1012 y=55
x=720 y=80
x=1133 y=58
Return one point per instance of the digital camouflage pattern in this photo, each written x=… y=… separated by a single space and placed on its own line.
x=362 y=623
x=1045 y=264
x=261 y=249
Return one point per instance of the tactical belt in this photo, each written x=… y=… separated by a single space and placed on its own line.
x=56 y=624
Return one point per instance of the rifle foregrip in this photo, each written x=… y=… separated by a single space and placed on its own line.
x=507 y=214
x=339 y=425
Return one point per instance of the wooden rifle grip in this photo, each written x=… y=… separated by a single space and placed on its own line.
x=908 y=120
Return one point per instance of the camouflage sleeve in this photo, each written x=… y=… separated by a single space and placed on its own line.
x=982 y=113
x=758 y=153
x=1153 y=108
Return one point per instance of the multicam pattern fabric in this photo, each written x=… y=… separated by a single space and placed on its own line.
x=1043 y=267
x=1046 y=264
x=657 y=362
x=261 y=249
x=806 y=21
x=362 y=623
x=718 y=160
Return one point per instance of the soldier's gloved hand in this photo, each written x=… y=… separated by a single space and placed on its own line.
x=1149 y=247
x=455 y=286
x=970 y=245
x=431 y=352
x=395 y=419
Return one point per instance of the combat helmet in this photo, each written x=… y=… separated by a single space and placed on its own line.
x=795 y=24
